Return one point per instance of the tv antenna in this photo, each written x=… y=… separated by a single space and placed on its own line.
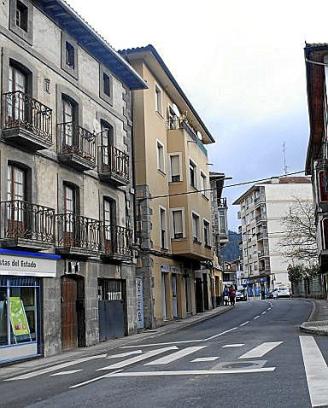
x=284 y=157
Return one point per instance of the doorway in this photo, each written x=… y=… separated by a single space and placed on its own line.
x=174 y=296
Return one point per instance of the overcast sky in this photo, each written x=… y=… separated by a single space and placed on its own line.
x=240 y=62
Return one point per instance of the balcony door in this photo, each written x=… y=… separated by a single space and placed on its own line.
x=70 y=213
x=16 y=197
x=106 y=141
x=109 y=225
x=17 y=87
x=69 y=119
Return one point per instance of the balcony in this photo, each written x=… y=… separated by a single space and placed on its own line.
x=77 y=146
x=263 y=252
x=259 y=199
x=26 y=225
x=78 y=235
x=113 y=165
x=116 y=243
x=222 y=203
x=262 y=235
x=26 y=121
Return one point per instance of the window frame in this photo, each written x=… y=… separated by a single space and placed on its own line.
x=204 y=184
x=26 y=35
x=159 y=143
x=178 y=154
x=207 y=242
x=182 y=210
x=73 y=71
x=158 y=99
x=163 y=245
x=194 y=166
x=102 y=72
x=196 y=239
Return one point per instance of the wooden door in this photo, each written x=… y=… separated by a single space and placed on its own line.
x=69 y=313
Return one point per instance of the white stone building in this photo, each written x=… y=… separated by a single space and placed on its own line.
x=262 y=208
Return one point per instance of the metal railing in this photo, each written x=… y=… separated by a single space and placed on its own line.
x=20 y=110
x=74 y=139
x=76 y=231
x=117 y=240
x=114 y=162
x=222 y=202
x=24 y=220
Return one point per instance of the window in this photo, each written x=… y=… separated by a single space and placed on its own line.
x=109 y=218
x=107 y=134
x=21 y=15
x=203 y=184
x=69 y=210
x=158 y=99
x=177 y=219
x=16 y=108
x=222 y=221
x=160 y=156
x=195 y=228
x=175 y=168
x=192 y=174
x=70 y=55
x=69 y=120
x=106 y=83
x=162 y=215
x=206 y=233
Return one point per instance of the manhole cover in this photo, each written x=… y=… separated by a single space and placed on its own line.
x=239 y=365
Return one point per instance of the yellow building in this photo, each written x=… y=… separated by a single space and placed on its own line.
x=173 y=208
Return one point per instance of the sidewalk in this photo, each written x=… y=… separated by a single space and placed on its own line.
x=318 y=320
x=100 y=348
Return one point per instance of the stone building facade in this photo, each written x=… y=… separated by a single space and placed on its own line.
x=67 y=199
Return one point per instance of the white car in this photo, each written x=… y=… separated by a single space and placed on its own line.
x=281 y=292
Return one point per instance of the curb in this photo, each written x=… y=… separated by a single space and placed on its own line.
x=314 y=330
x=313 y=311
x=312 y=326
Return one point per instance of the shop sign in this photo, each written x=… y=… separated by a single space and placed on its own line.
x=18 y=318
x=27 y=266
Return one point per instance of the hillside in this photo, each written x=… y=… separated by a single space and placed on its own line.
x=230 y=251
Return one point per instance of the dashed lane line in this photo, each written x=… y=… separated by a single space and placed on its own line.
x=244 y=324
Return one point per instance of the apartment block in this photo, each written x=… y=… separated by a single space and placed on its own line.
x=262 y=208
x=173 y=207
x=67 y=273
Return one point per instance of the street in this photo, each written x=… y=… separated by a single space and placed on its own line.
x=253 y=355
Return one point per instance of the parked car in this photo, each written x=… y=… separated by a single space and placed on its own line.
x=241 y=295
x=279 y=293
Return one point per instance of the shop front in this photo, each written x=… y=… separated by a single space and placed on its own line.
x=21 y=276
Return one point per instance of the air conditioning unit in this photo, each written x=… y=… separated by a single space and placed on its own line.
x=72 y=267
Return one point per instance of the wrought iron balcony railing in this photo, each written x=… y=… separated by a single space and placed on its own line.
x=21 y=220
x=76 y=233
x=77 y=142
x=117 y=241
x=113 y=164
x=20 y=110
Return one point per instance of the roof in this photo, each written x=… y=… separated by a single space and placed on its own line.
x=314 y=55
x=151 y=56
x=274 y=181
x=87 y=37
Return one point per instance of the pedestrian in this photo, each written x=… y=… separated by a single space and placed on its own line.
x=232 y=295
x=226 y=296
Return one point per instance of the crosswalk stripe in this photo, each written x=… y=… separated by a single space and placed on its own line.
x=175 y=356
x=54 y=368
x=127 y=354
x=316 y=371
x=136 y=359
x=204 y=359
x=261 y=350
x=233 y=345
x=68 y=372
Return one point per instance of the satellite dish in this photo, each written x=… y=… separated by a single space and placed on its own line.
x=176 y=110
x=199 y=135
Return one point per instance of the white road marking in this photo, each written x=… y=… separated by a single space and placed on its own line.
x=127 y=354
x=256 y=317
x=93 y=380
x=163 y=344
x=189 y=372
x=219 y=334
x=264 y=312
x=55 y=368
x=68 y=372
x=203 y=359
x=233 y=345
x=261 y=350
x=175 y=356
x=136 y=359
x=316 y=371
x=244 y=324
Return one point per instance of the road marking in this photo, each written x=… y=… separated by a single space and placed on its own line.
x=244 y=324
x=256 y=317
x=68 y=372
x=189 y=372
x=136 y=359
x=175 y=356
x=127 y=354
x=219 y=334
x=203 y=359
x=233 y=345
x=316 y=371
x=261 y=350
x=93 y=380
x=55 y=368
x=163 y=344
x=264 y=312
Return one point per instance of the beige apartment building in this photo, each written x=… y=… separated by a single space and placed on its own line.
x=173 y=228
x=262 y=208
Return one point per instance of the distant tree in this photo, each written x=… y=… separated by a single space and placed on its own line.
x=299 y=243
x=298 y=272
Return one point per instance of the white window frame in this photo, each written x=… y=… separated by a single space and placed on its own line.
x=209 y=243
x=179 y=154
x=172 y=210
x=204 y=184
x=199 y=238
x=158 y=142
x=161 y=208
x=191 y=162
x=158 y=92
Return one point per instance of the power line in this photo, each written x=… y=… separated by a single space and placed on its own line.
x=228 y=186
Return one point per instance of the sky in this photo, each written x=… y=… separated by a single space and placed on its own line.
x=241 y=64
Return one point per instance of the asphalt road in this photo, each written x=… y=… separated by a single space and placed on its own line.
x=252 y=356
